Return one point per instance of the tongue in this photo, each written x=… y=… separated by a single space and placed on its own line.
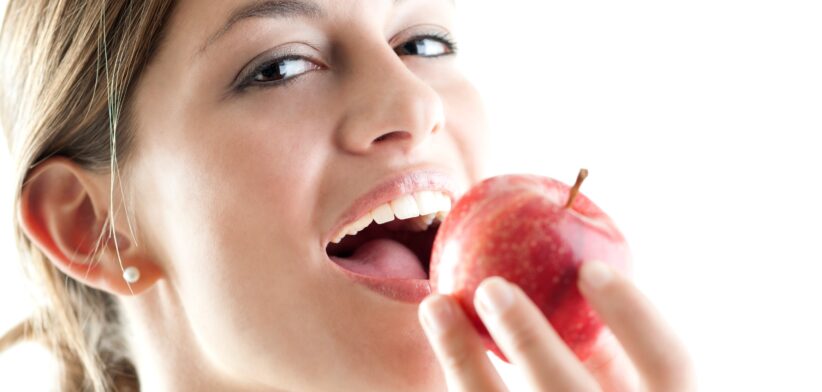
x=384 y=258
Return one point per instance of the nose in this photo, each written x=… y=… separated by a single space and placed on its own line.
x=388 y=107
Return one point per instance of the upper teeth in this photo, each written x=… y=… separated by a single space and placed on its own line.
x=426 y=204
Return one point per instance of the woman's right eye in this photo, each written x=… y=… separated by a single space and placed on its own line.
x=279 y=70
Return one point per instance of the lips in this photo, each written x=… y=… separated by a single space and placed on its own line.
x=383 y=241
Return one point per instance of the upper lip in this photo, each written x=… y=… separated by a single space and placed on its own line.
x=394 y=186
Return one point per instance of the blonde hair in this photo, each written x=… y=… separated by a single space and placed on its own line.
x=68 y=69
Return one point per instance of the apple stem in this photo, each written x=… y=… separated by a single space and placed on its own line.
x=583 y=173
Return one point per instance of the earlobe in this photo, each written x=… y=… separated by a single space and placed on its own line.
x=131 y=278
x=63 y=210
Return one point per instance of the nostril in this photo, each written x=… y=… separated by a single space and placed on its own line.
x=396 y=135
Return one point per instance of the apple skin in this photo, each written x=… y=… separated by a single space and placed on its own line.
x=517 y=227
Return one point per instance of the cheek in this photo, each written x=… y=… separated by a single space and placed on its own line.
x=467 y=123
x=226 y=218
x=227 y=205
x=465 y=117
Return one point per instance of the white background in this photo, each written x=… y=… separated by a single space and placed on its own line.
x=699 y=121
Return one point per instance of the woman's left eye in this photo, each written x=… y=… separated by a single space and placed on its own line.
x=427 y=46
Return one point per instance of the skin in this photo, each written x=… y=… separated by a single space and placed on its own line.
x=229 y=194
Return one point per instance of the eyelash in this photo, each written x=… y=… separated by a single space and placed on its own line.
x=247 y=80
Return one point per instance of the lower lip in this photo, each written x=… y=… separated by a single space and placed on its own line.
x=403 y=290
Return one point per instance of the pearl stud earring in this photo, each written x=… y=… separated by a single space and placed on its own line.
x=131 y=274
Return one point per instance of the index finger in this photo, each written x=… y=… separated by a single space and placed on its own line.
x=458 y=347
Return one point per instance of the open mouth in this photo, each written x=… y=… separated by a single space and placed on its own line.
x=397 y=239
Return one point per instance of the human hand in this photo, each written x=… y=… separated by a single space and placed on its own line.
x=637 y=351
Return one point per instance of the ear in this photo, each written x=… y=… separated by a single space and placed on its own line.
x=64 y=210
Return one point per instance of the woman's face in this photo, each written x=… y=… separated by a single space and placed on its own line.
x=259 y=124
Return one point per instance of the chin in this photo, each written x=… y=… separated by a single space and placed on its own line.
x=413 y=371
x=400 y=360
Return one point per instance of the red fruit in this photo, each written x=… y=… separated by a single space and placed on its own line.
x=535 y=232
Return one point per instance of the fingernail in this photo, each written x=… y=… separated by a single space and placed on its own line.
x=437 y=314
x=494 y=295
x=595 y=274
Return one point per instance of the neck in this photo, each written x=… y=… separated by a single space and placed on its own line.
x=164 y=349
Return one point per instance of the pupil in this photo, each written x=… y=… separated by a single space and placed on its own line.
x=415 y=47
x=273 y=72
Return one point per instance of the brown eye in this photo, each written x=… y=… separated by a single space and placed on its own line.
x=426 y=46
x=282 y=69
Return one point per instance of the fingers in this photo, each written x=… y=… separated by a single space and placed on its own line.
x=458 y=347
x=658 y=355
x=610 y=366
x=527 y=339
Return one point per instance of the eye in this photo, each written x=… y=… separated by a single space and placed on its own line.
x=277 y=71
x=281 y=69
x=429 y=45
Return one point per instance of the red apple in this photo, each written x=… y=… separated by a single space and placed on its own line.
x=535 y=232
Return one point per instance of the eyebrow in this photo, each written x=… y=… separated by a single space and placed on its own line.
x=266 y=9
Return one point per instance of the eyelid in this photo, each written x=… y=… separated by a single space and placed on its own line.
x=422 y=31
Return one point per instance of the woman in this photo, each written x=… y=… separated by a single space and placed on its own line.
x=188 y=177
